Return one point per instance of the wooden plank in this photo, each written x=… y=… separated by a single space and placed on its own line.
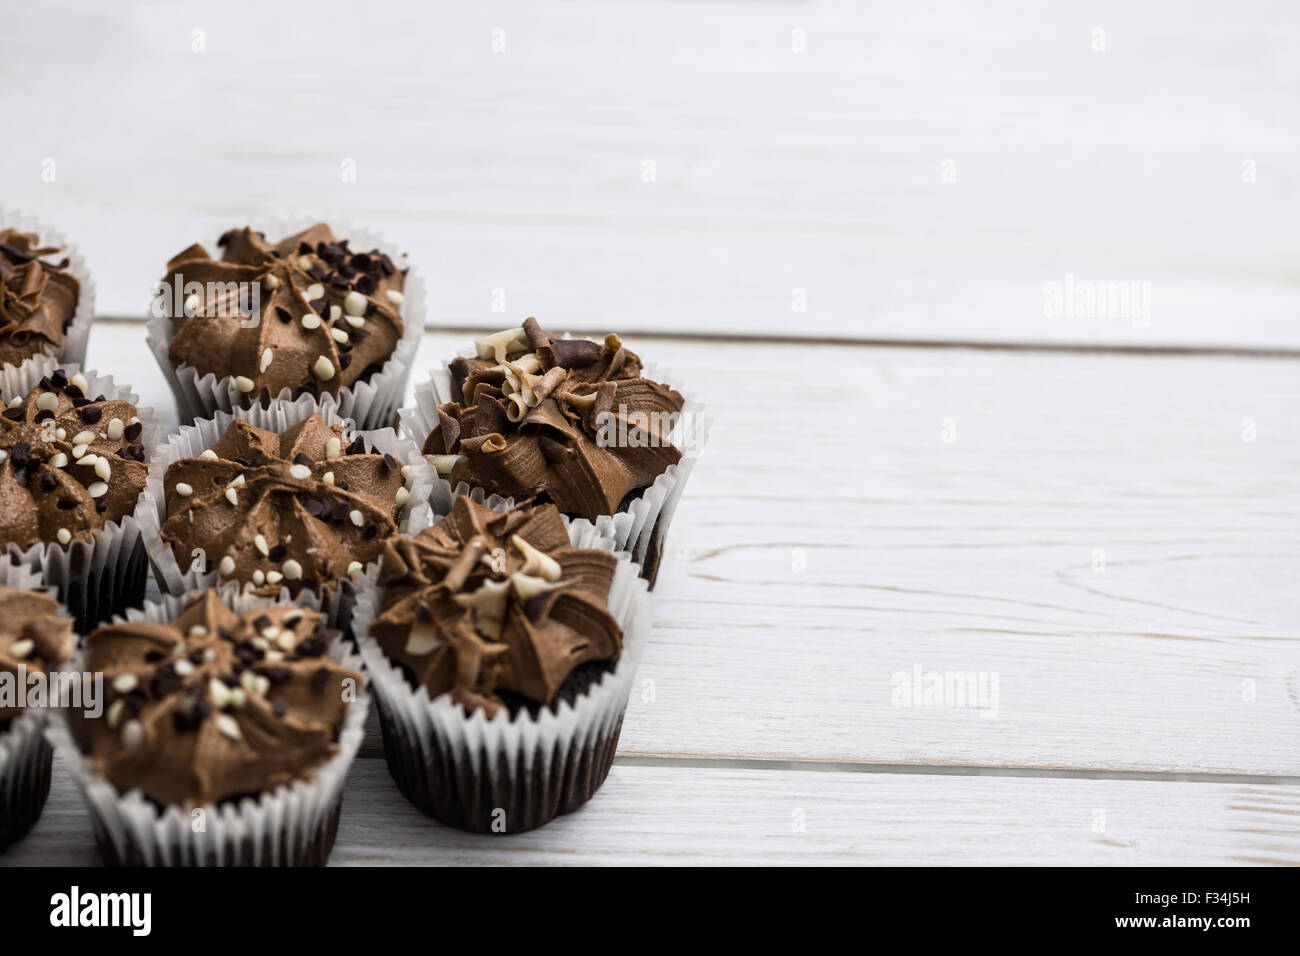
x=975 y=555
x=684 y=815
x=516 y=175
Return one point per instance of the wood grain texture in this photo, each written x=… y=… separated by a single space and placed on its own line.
x=523 y=170
x=680 y=816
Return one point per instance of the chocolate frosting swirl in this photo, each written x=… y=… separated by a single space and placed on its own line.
x=214 y=705
x=329 y=315
x=70 y=462
x=32 y=635
x=297 y=509
x=487 y=606
x=37 y=299
x=532 y=414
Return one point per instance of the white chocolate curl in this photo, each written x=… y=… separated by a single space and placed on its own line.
x=536 y=563
x=497 y=345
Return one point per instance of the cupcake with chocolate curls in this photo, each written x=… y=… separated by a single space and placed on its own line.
x=309 y=314
x=573 y=422
x=73 y=449
x=224 y=708
x=35 y=637
x=502 y=647
x=47 y=299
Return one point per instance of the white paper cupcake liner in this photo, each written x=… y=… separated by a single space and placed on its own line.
x=642 y=527
x=192 y=440
x=372 y=403
x=293 y=825
x=502 y=775
x=105 y=575
x=77 y=332
x=25 y=756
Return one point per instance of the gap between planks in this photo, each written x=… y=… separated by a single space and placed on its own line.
x=1084 y=348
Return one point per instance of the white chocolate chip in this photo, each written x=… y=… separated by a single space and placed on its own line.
x=198 y=630
x=304 y=263
x=208 y=453
x=357 y=517
x=115 y=712
x=286 y=640
x=183 y=489
x=271 y=281
x=315 y=291
x=84 y=438
x=237 y=480
x=267 y=355
x=243 y=383
x=115 y=429
x=21 y=649
x=15 y=401
x=61 y=434
x=183 y=668
x=259 y=542
x=338 y=335
x=78 y=451
x=354 y=303
x=226 y=567
x=125 y=683
x=79 y=380
x=218 y=692
x=48 y=401
x=324 y=368
x=402 y=496
x=356 y=321
x=132 y=734
x=231 y=496
x=103 y=468
x=336 y=313
x=333 y=448
x=299 y=471
x=396 y=297
x=97 y=490
x=64 y=535
x=274 y=577
x=57 y=460
x=292 y=570
x=227 y=725
x=328 y=477
x=88 y=459
x=259 y=577
x=354 y=568
x=311 y=321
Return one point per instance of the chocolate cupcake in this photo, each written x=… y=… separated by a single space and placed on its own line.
x=47 y=299
x=229 y=725
x=284 y=499
x=73 y=452
x=35 y=635
x=310 y=314
x=502 y=648
x=576 y=423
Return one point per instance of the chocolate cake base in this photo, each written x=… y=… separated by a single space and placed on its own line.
x=24 y=787
x=443 y=783
x=282 y=847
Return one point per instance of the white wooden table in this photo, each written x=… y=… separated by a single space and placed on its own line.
x=915 y=469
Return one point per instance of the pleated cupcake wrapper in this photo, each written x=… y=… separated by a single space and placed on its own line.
x=105 y=575
x=24 y=753
x=192 y=440
x=77 y=332
x=641 y=529
x=371 y=403
x=464 y=769
x=293 y=825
